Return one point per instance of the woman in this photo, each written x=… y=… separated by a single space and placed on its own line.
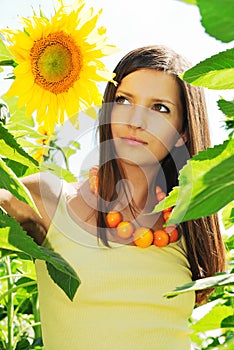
x=151 y=122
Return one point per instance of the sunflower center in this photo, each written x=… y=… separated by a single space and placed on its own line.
x=56 y=62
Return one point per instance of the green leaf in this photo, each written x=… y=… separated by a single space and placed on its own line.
x=24 y=280
x=228 y=215
x=228 y=322
x=23 y=344
x=192 y=2
x=217 y=18
x=10 y=149
x=227 y=107
x=215 y=72
x=4 y=243
x=213 y=319
x=66 y=280
x=18 y=168
x=206 y=184
x=58 y=171
x=74 y=144
x=169 y=201
x=223 y=279
x=5 y=54
x=4 y=112
x=18 y=119
x=60 y=271
x=230 y=243
x=10 y=182
x=68 y=151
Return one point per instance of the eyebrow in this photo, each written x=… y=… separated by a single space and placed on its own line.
x=152 y=98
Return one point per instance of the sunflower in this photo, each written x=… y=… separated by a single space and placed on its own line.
x=58 y=63
x=46 y=138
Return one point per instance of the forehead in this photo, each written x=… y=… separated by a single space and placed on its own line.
x=150 y=83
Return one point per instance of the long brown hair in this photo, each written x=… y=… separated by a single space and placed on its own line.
x=205 y=248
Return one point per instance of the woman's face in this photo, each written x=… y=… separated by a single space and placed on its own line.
x=146 y=119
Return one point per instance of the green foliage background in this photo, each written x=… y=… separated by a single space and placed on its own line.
x=207 y=180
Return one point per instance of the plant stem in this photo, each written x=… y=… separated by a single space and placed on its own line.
x=10 y=304
x=14 y=289
x=36 y=313
x=64 y=157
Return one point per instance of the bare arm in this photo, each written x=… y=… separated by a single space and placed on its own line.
x=45 y=190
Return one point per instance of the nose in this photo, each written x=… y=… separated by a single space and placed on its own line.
x=137 y=118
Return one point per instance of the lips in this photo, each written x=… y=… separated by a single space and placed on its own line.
x=134 y=141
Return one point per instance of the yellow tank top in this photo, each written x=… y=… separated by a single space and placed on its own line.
x=119 y=304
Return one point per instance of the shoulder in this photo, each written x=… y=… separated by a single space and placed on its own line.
x=45 y=189
x=43 y=185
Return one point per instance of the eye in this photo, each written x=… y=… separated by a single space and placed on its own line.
x=160 y=108
x=121 y=100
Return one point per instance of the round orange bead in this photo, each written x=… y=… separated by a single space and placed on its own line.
x=173 y=233
x=166 y=215
x=167 y=210
x=143 y=237
x=125 y=229
x=113 y=218
x=161 y=238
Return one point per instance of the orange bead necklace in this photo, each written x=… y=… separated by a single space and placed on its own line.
x=142 y=237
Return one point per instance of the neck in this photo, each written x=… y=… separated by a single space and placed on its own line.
x=142 y=185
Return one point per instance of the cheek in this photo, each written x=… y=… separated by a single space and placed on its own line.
x=115 y=129
x=118 y=121
x=165 y=131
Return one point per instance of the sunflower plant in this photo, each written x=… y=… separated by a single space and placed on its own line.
x=53 y=68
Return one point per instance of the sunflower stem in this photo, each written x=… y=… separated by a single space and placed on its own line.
x=10 y=303
x=36 y=313
x=64 y=157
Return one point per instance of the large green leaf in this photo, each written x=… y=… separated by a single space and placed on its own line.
x=169 y=201
x=60 y=271
x=213 y=319
x=206 y=184
x=10 y=182
x=224 y=279
x=10 y=149
x=217 y=18
x=215 y=72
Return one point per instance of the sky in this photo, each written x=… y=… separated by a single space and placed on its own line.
x=132 y=23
